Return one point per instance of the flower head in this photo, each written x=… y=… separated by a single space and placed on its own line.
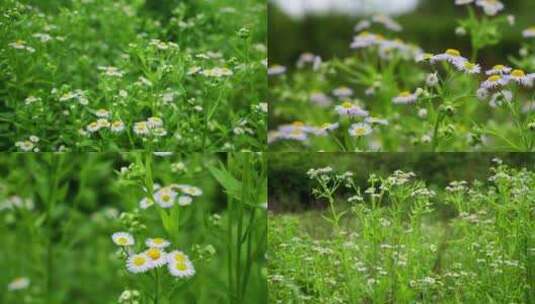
x=490 y=7
x=350 y=110
x=494 y=81
x=468 y=67
x=405 y=97
x=122 y=239
x=529 y=32
x=157 y=243
x=179 y=265
x=360 y=129
x=157 y=257
x=18 y=284
x=499 y=69
x=165 y=197
x=138 y=263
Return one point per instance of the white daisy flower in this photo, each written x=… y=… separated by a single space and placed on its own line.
x=365 y=39
x=388 y=22
x=31 y=99
x=34 y=139
x=494 y=81
x=157 y=243
x=188 y=189
x=350 y=110
x=405 y=97
x=157 y=257
x=179 y=265
x=93 y=127
x=520 y=77
x=117 y=126
x=360 y=129
x=342 y=92
x=102 y=113
x=452 y=56
x=184 y=200
x=276 y=70
x=529 y=32
x=499 y=69
x=422 y=113
x=320 y=99
x=468 y=67
x=490 y=7
x=18 y=284
x=141 y=128
x=138 y=263
x=103 y=123
x=165 y=197
x=122 y=239
x=154 y=122
x=326 y=128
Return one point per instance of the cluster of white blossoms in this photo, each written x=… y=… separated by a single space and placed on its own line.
x=21 y=45
x=216 y=72
x=490 y=7
x=116 y=126
x=111 y=71
x=152 y=126
x=79 y=95
x=167 y=196
x=154 y=256
x=161 y=45
x=29 y=144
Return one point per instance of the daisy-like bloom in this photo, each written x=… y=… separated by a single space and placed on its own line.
x=452 y=56
x=102 y=113
x=188 y=189
x=308 y=58
x=179 y=265
x=422 y=113
x=117 y=126
x=21 y=45
x=103 y=123
x=529 y=32
x=34 y=139
x=360 y=129
x=157 y=243
x=499 y=69
x=362 y=25
x=468 y=67
x=482 y=94
x=111 y=71
x=320 y=99
x=431 y=80
x=122 y=239
x=388 y=22
x=154 y=122
x=157 y=257
x=342 y=92
x=365 y=39
x=490 y=7
x=184 y=200
x=405 y=97
x=31 y=99
x=494 y=81
x=139 y=263
x=349 y=109
x=520 y=77
x=165 y=197
x=25 y=145
x=463 y=2
x=18 y=284
x=326 y=128
x=141 y=128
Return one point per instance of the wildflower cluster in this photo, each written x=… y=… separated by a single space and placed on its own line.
x=382 y=243
x=137 y=81
x=404 y=98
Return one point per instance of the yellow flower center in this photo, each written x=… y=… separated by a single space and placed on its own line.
x=166 y=197
x=298 y=124
x=154 y=253
x=428 y=56
x=181 y=266
x=469 y=65
x=347 y=105
x=499 y=67
x=453 y=52
x=139 y=261
x=180 y=258
x=518 y=73
x=158 y=241
x=405 y=94
x=122 y=240
x=360 y=131
x=325 y=125
x=494 y=78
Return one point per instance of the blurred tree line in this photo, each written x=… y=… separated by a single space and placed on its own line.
x=431 y=26
x=290 y=189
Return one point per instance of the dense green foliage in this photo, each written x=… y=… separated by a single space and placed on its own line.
x=384 y=244
x=58 y=213
x=99 y=75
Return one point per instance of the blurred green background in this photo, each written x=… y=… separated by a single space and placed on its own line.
x=290 y=189
x=431 y=26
